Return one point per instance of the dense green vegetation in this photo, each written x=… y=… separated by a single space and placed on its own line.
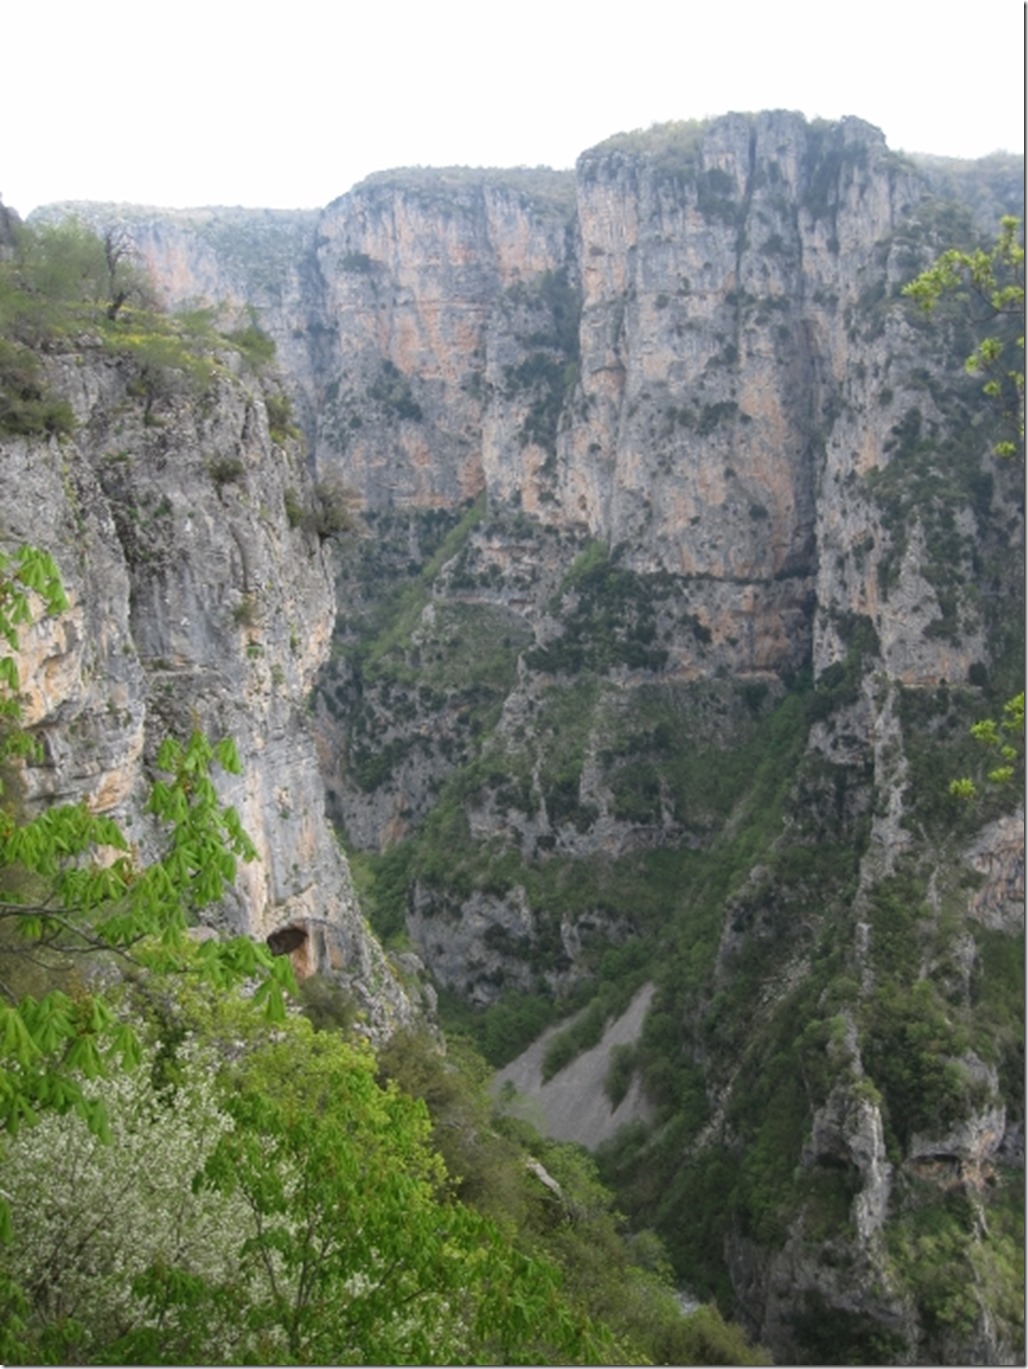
x=133 y=1098
x=293 y=1198
x=320 y=1228
x=741 y=908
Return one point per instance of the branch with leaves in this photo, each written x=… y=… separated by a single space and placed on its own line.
x=995 y=280
x=70 y=883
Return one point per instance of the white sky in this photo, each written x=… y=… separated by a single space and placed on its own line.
x=288 y=105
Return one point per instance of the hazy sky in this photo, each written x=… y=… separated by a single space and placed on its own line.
x=288 y=105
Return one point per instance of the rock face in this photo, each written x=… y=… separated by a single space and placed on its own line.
x=193 y=603
x=685 y=567
x=685 y=350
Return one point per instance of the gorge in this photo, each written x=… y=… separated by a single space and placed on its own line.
x=669 y=564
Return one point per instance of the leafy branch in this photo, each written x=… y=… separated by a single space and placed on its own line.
x=995 y=278
x=69 y=882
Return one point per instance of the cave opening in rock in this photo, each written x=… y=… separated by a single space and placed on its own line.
x=286 y=940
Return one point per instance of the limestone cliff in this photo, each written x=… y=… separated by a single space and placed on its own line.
x=194 y=602
x=686 y=350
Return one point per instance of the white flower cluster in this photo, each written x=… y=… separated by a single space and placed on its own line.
x=90 y=1217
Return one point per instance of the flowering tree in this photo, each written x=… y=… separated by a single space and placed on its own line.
x=92 y=1214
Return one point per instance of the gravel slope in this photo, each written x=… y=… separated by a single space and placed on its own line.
x=572 y=1106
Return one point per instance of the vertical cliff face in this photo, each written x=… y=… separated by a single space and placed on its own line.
x=686 y=351
x=685 y=567
x=414 y=271
x=195 y=602
x=716 y=276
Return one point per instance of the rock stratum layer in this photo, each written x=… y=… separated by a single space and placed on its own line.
x=685 y=566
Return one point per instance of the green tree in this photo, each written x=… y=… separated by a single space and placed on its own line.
x=90 y=1218
x=64 y=274
x=264 y=1201
x=362 y=1254
x=325 y=1228
x=70 y=886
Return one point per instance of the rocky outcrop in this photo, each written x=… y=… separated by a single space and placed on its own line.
x=997 y=857
x=194 y=602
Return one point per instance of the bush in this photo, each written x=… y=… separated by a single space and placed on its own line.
x=254 y=346
x=27 y=408
x=293 y=507
x=225 y=470
x=619 y=1074
x=334 y=509
x=280 y=418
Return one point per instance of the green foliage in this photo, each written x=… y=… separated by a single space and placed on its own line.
x=70 y=886
x=406 y=1276
x=938 y=1255
x=63 y=277
x=264 y=1201
x=164 y=361
x=550 y=1199
x=609 y=619
x=63 y=282
x=293 y=508
x=281 y=425
x=912 y=1049
x=503 y=1031
x=332 y=510
x=1005 y=739
x=386 y=652
x=619 y=1074
x=994 y=278
x=226 y=470
x=254 y=345
x=66 y=1276
x=27 y=408
x=485 y=1166
x=327 y=1004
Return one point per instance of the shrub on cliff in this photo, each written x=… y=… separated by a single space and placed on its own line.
x=27 y=408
